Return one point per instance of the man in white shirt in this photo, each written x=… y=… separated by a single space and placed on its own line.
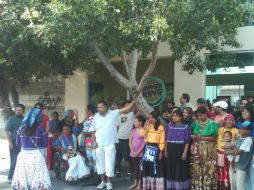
x=125 y=124
x=105 y=135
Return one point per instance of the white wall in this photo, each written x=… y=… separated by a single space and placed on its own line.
x=76 y=93
x=194 y=85
x=246 y=38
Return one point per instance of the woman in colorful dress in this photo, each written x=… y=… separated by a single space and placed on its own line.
x=151 y=163
x=53 y=133
x=203 y=152
x=87 y=140
x=31 y=171
x=223 y=163
x=247 y=114
x=177 y=152
x=68 y=143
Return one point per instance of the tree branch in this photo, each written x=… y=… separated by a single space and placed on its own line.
x=133 y=65
x=111 y=69
x=149 y=70
x=143 y=107
x=125 y=64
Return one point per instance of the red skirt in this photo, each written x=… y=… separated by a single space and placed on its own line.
x=49 y=154
x=223 y=175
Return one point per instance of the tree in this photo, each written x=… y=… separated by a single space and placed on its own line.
x=100 y=29
x=23 y=56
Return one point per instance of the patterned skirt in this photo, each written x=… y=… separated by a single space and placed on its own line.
x=223 y=174
x=31 y=172
x=203 y=167
x=150 y=180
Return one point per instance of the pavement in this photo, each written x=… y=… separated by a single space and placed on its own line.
x=120 y=183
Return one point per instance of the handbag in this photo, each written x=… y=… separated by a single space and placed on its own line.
x=220 y=159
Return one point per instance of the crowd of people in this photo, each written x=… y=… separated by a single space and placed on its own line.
x=202 y=147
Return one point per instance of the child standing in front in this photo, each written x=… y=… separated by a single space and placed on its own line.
x=244 y=147
x=136 y=143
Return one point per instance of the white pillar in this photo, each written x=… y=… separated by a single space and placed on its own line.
x=194 y=85
x=76 y=93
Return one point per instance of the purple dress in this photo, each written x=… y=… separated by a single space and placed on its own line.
x=31 y=171
x=178 y=170
x=137 y=142
x=39 y=137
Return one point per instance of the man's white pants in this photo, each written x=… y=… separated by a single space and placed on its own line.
x=105 y=160
x=237 y=179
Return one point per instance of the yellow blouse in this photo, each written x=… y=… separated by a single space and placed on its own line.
x=221 y=132
x=152 y=136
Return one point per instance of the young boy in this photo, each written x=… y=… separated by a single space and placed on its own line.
x=244 y=146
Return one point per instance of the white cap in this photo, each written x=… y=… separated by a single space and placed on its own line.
x=221 y=104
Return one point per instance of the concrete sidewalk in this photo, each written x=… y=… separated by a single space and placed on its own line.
x=4 y=164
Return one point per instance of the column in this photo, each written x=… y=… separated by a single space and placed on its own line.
x=76 y=92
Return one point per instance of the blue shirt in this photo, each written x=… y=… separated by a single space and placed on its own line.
x=238 y=125
x=13 y=125
x=246 y=146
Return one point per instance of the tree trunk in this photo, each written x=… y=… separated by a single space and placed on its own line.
x=143 y=107
x=5 y=106
x=13 y=96
x=130 y=83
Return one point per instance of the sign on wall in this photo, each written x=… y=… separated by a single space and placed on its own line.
x=49 y=102
x=154 y=91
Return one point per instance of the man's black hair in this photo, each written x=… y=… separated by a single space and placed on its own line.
x=56 y=113
x=91 y=108
x=186 y=97
x=21 y=106
x=126 y=102
x=104 y=103
x=202 y=110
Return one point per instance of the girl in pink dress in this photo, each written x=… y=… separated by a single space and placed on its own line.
x=136 y=143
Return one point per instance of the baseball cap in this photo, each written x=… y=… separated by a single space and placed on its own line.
x=201 y=100
x=245 y=124
x=221 y=104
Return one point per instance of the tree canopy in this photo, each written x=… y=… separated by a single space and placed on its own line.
x=39 y=34
x=38 y=37
x=115 y=26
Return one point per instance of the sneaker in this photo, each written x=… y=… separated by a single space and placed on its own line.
x=109 y=186
x=9 y=181
x=102 y=185
x=129 y=175
x=118 y=174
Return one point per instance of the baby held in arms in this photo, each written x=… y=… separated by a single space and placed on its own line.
x=229 y=144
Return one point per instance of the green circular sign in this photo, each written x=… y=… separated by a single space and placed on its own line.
x=154 y=91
